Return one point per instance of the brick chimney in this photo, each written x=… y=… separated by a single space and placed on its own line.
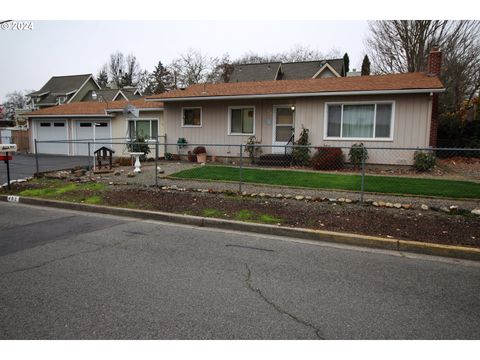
x=434 y=68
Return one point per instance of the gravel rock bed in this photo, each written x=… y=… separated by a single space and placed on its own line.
x=147 y=178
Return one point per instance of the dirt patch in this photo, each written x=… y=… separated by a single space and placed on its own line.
x=414 y=225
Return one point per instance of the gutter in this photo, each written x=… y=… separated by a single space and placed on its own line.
x=68 y=116
x=293 y=95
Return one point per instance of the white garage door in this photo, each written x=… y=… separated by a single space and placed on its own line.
x=52 y=130
x=84 y=130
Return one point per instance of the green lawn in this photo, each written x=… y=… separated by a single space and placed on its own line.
x=380 y=184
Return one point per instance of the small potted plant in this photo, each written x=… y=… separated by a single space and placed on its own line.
x=181 y=142
x=201 y=153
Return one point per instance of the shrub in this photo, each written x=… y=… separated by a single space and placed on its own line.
x=139 y=145
x=168 y=156
x=327 y=158
x=252 y=150
x=357 y=154
x=301 y=155
x=199 y=150
x=423 y=160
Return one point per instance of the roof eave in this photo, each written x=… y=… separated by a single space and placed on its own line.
x=68 y=115
x=308 y=94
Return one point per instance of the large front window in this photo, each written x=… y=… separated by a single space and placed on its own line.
x=359 y=121
x=146 y=129
x=242 y=120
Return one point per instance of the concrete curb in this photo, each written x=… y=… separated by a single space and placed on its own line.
x=459 y=252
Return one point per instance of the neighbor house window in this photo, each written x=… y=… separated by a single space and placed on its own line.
x=146 y=129
x=360 y=121
x=242 y=120
x=192 y=117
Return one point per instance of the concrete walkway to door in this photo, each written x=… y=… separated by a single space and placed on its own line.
x=23 y=166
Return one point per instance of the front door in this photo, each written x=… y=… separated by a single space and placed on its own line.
x=283 y=127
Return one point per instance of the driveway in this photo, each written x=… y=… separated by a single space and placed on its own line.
x=23 y=166
x=74 y=275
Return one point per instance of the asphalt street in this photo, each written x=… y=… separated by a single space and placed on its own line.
x=73 y=275
x=22 y=166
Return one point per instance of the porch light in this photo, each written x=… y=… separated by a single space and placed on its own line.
x=292 y=107
x=94 y=96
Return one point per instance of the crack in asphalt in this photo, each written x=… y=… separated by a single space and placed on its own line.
x=99 y=248
x=259 y=292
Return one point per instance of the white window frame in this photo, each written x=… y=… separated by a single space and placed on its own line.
x=342 y=103
x=182 y=118
x=129 y=137
x=230 y=108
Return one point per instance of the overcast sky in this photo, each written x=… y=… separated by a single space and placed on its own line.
x=30 y=58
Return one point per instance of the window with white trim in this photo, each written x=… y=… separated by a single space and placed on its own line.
x=192 y=117
x=242 y=120
x=141 y=128
x=360 y=121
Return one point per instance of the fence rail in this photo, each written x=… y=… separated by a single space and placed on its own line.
x=356 y=170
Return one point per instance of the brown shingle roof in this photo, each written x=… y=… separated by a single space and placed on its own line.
x=92 y=107
x=407 y=81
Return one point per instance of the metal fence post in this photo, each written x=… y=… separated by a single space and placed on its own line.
x=89 y=159
x=36 y=158
x=156 y=163
x=241 y=169
x=363 y=174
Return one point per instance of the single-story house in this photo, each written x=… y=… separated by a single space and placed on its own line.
x=393 y=111
x=79 y=120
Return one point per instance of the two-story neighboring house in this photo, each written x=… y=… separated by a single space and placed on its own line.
x=63 y=90
x=299 y=70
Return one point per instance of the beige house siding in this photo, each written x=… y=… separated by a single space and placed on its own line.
x=411 y=125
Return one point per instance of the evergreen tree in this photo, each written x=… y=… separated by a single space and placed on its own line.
x=102 y=77
x=346 y=62
x=161 y=80
x=366 y=66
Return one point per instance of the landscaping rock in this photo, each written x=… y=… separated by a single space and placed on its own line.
x=407 y=206
x=253 y=195
x=381 y=203
x=117 y=173
x=389 y=205
x=369 y=201
x=424 y=207
x=397 y=205
x=332 y=200
x=341 y=199
x=262 y=195
x=348 y=201
x=309 y=198
x=299 y=197
x=444 y=209
x=244 y=193
x=131 y=174
x=453 y=207
x=279 y=196
x=475 y=211
x=110 y=183
x=287 y=196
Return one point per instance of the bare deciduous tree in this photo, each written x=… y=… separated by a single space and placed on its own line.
x=403 y=46
x=191 y=67
x=116 y=67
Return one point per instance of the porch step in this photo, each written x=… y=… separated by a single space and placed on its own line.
x=274 y=160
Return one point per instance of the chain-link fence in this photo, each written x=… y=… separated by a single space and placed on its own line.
x=354 y=172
